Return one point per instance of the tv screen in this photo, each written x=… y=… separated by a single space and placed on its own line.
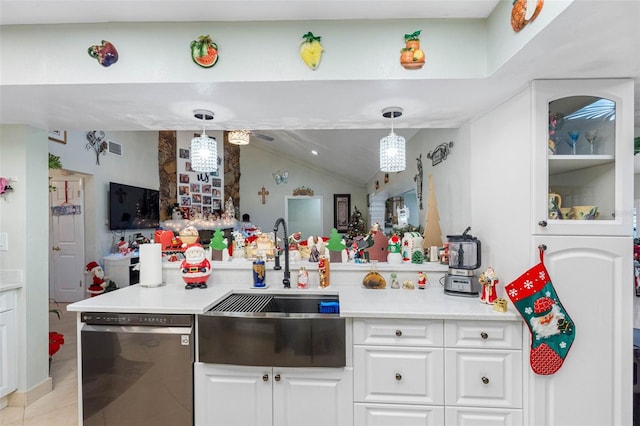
x=132 y=207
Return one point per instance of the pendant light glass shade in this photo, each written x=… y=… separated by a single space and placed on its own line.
x=392 y=147
x=204 y=149
x=239 y=137
x=392 y=153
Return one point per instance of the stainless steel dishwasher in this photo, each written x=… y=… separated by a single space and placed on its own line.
x=137 y=369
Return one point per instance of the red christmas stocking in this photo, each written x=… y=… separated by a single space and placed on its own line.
x=552 y=331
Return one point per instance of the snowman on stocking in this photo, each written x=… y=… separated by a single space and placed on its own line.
x=552 y=330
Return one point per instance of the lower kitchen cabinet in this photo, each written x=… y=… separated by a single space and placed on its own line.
x=8 y=342
x=425 y=372
x=229 y=395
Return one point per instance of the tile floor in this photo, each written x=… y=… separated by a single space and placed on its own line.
x=59 y=407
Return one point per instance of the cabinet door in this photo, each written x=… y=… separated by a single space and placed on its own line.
x=398 y=374
x=232 y=395
x=483 y=378
x=312 y=396
x=593 y=278
x=582 y=191
x=467 y=416
x=8 y=352
x=398 y=415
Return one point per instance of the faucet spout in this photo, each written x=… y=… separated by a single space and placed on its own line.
x=286 y=281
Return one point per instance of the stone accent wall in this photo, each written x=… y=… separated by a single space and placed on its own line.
x=167 y=149
x=231 y=173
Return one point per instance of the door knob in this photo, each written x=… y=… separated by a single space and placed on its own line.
x=484 y=335
x=277 y=377
x=265 y=377
x=398 y=333
x=485 y=380
x=398 y=376
x=56 y=248
x=542 y=223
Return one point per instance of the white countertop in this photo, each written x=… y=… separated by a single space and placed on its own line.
x=355 y=301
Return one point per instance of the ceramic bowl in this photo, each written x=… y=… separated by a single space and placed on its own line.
x=566 y=212
x=585 y=212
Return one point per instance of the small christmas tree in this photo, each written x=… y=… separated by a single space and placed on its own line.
x=432 y=235
x=356 y=225
x=217 y=244
x=335 y=246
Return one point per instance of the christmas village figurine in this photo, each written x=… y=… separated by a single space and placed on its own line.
x=294 y=247
x=99 y=283
x=218 y=246
x=488 y=279
x=394 y=245
x=336 y=247
x=123 y=247
x=377 y=244
x=408 y=285
x=195 y=268
x=394 y=281
x=422 y=280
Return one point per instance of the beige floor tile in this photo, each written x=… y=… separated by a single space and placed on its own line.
x=11 y=416
x=61 y=416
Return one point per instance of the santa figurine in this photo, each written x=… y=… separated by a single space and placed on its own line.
x=489 y=280
x=195 y=268
x=123 y=246
x=99 y=282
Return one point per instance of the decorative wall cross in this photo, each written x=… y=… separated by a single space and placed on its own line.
x=263 y=195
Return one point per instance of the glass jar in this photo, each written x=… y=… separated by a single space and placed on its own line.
x=373 y=279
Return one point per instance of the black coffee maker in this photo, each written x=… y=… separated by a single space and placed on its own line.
x=464 y=259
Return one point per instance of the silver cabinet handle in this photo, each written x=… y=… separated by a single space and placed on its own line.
x=485 y=380
x=484 y=335
x=265 y=377
x=398 y=376
x=398 y=333
x=277 y=377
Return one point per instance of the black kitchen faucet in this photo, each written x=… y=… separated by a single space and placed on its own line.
x=286 y=281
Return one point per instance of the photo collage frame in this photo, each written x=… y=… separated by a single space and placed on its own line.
x=198 y=192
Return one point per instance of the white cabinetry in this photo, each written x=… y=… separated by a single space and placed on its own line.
x=119 y=269
x=602 y=178
x=241 y=395
x=589 y=261
x=8 y=342
x=400 y=368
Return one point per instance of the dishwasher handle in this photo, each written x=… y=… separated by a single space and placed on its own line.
x=136 y=329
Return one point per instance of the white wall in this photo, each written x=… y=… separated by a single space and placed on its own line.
x=24 y=217
x=257 y=167
x=138 y=166
x=450 y=178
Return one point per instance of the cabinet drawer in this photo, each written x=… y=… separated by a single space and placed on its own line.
x=483 y=334
x=398 y=332
x=467 y=416
x=486 y=378
x=401 y=375
x=398 y=414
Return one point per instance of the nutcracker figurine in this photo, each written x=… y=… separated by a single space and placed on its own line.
x=195 y=267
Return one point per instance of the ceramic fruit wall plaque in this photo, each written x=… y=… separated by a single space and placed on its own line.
x=519 y=14
x=311 y=50
x=204 y=52
x=411 y=56
x=105 y=53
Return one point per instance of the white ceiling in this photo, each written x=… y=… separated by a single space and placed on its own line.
x=593 y=38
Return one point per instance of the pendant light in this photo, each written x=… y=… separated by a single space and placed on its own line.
x=392 y=146
x=238 y=137
x=204 y=149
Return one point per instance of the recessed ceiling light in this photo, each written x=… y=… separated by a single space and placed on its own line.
x=314 y=152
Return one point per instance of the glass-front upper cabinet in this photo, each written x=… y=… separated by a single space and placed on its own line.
x=583 y=157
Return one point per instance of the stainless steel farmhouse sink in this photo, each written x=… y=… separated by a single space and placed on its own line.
x=280 y=330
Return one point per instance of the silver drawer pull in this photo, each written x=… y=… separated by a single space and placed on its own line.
x=398 y=333
x=398 y=376
x=484 y=335
x=485 y=380
x=265 y=377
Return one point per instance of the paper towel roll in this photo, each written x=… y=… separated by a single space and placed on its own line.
x=151 y=265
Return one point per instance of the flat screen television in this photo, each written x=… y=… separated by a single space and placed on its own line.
x=132 y=207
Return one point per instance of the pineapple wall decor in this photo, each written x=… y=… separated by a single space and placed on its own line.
x=204 y=52
x=411 y=56
x=519 y=14
x=311 y=50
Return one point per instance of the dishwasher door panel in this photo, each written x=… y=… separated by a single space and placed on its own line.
x=137 y=375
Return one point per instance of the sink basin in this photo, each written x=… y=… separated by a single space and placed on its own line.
x=280 y=330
